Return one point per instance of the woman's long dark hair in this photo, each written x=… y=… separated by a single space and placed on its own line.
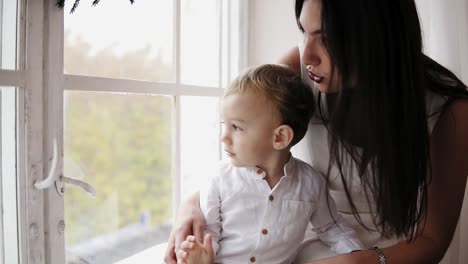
x=376 y=50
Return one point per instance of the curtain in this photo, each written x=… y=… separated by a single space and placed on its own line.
x=445 y=35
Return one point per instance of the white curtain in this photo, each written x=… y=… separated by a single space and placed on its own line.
x=445 y=35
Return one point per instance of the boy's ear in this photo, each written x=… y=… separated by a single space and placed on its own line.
x=283 y=135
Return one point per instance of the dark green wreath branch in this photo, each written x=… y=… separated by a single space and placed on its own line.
x=61 y=4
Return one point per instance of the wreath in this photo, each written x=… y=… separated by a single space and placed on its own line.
x=61 y=4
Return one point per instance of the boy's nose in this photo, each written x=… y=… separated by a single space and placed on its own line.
x=225 y=138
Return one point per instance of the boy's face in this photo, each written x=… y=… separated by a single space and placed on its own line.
x=249 y=124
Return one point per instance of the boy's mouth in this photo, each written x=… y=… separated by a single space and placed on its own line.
x=230 y=154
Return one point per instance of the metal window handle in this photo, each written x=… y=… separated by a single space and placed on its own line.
x=52 y=177
x=81 y=184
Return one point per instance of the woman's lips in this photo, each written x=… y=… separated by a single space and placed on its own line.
x=315 y=78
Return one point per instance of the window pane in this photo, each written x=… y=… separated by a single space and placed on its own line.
x=9 y=218
x=231 y=40
x=235 y=40
x=200 y=42
x=121 y=145
x=118 y=40
x=200 y=135
x=8 y=18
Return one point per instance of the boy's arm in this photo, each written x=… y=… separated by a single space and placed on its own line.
x=331 y=228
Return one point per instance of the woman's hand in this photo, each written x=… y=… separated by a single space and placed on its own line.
x=189 y=221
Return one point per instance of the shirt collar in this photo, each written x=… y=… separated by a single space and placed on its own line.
x=290 y=166
x=288 y=169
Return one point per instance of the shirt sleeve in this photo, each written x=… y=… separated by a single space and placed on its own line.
x=210 y=205
x=331 y=228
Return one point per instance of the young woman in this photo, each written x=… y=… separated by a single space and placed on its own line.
x=390 y=135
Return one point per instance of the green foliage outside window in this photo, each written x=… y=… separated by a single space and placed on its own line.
x=121 y=143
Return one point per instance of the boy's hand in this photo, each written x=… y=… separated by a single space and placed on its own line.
x=189 y=221
x=193 y=252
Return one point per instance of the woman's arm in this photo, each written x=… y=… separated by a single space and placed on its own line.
x=449 y=158
x=189 y=221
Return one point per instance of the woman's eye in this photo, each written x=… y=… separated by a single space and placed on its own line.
x=323 y=39
x=236 y=128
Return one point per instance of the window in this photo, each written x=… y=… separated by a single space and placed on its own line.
x=123 y=98
x=8 y=191
x=10 y=80
x=130 y=94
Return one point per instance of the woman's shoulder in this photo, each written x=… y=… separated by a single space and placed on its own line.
x=292 y=59
x=449 y=141
x=434 y=107
x=437 y=105
x=456 y=112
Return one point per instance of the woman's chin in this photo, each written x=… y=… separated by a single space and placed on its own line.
x=324 y=88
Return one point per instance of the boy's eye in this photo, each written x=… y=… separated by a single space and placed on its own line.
x=236 y=128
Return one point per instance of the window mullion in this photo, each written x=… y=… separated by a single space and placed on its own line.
x=21 y=135
x=220 y=37
x=11 y=78
x=176 y=149
x=53 y=132
x=229 y=34
x=176 y=38
x=100 y=84
x=244 y=33
x=176 y=154
x=30 y=133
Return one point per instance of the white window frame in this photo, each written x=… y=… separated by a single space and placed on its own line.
x=41 y=82
x=27 y=81
x=28 y=121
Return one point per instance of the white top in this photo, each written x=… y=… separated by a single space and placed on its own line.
x=249 y=219
x=314 y=150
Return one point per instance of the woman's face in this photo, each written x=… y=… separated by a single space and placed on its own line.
x=315 y=55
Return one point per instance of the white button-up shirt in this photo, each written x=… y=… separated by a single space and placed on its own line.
x=250 y=222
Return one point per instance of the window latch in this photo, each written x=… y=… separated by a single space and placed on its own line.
x=52 y=178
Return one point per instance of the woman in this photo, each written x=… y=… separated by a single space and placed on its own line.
x=390 y=135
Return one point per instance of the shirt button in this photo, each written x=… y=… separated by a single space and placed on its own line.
x=259 y=171
x=264 y=231
x=271 y=198
x=252 y=259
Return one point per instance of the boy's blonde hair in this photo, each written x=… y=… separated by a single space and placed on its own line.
x=284 y=89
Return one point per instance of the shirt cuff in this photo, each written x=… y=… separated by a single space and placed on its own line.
x=347 y=245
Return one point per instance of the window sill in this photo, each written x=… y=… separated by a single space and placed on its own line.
x=149 y=256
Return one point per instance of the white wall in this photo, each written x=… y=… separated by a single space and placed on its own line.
x=272 y=30
x=445 y=33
